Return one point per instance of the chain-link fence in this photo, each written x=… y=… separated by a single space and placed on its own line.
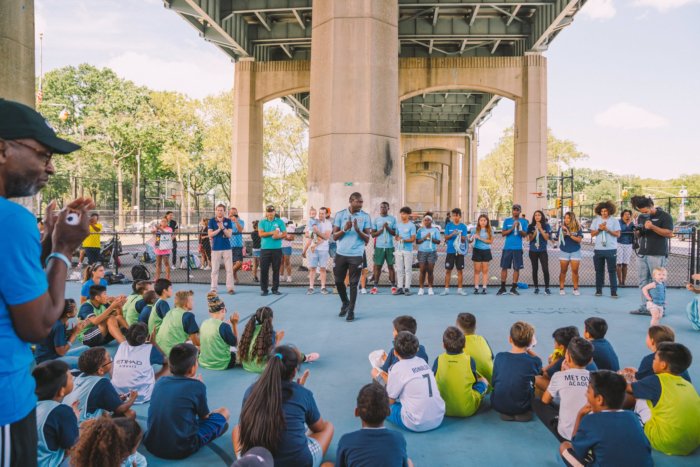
x=688 y=206
x=135 y=248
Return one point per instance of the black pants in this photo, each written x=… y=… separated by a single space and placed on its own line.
x=174 y=253
x=541 y=257
x=343 y=265
x=270 y=257
x=600 y=258
x=23 y=441
x=549 y=415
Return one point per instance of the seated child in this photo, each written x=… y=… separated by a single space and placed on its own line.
x=179 y=420
x=218 y=336
x=655 y=336
x=93 y=391
x=655 y=293
x=277 y=409
x=258 y=340
x=605 y=432
x=131 y=313
x=373 y=445
x=100 y=438
x=179 y=324
x=461 y=387
x=562 y=337
x=104 y=323
x=149 y=299
x=668 y=405
x=476 y=346
x=692 y=310
x=164 y=290
x=57 y=423
x=132 y=437
x=567 y=389
x=58 y=343
x=400 y=323
x=416 y=404
x=133 y=364
x=604 y=355
x=514 y=375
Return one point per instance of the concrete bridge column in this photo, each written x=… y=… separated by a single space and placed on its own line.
x=531 y=133
x=17 y=51
x=473 y=191
x=453 y=200
x=247 y=157
x=355 y=125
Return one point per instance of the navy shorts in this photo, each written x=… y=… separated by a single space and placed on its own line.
x=237 y=254
x=512 y=259
x=211 y=428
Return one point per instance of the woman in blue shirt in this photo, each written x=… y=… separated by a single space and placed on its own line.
x=94 y=275
x=624 y=245
x=427 y=239
x=569 y=238
x=538 y=233
x=482 y=236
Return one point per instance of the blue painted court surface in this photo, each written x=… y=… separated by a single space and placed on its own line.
x=312 y=324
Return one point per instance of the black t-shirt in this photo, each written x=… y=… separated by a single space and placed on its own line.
x=651 y=243
x=173 y=225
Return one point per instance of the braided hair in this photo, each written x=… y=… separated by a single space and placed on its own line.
x=263 y=343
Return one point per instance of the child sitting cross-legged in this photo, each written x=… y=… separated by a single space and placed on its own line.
x=132 y=438
x=461 y=387
x=416 y=404
x=604 y=434
x=57 y=423
x=567 y=389
x=373 y=445
x=57 y=345
x=179 y=419
x=93 y=391
x=655 y=336
x=277 y=409
x=667 y=404
x=105 y=323
x=514 y=374
x=400 y=323
x=102 y=442
x=164 y=289
x=562 y=338
x=217 y=336
x=604 y=355
x=476 y=346
x=131 y=308
x=179 y=324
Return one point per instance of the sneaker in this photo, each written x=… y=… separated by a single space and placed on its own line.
x=613 y=294
x=476 y=291
x=430 y=291
x=407 y=292
x=523 y=417
x=264 y=294
x=324 y=291
x=537 y=291
x=255 y=278
x=344 y=309
x=514 y=291
x=373 y=291
x=310 y=291
x=232 y=292
x=445 y=292
x=420 y=292
x=501 y=291
x=562 y=292
x=208 y=268
x=598 y=293
x=393 y=290
x=483 y=291
x=276 y=292
x=461 y=292
x=351 y=316
x=576 y=292
x=397 y=291
x=289 y=278
x=547 y=292
x=363 y=291
x=311 y=357
x=639 y=311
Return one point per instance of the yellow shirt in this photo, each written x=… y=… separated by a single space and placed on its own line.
x=477 y=347
x=93 y=240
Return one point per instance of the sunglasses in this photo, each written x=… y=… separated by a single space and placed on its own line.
x=45 y=156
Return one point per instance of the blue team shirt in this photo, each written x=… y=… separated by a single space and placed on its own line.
x=300 y=411
x=645 y=369
x=219 y=242
x=428 y=246
x=371 y=447
x=145 y=313
x=449 y=228
x=514 y=241
x=385 y=240
x=626 y=234
x=391 y=359
x=604 y=355
x=542 y=242
x=615 y=437
x=406 y=231
x=513 y=382
x=236 y=239
x=351 y=244
x=566 y=244
x=61 y=428
x=479 y=238
x=46 y=349
x=103 y=396
x=162 y=308
x=85 y=289
x=22 y=280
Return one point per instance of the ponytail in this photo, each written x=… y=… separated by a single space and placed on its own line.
x=263 y=344
x=88 y=273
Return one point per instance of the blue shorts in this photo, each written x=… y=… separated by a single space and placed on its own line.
x=237 y=254
x=395 y=415
x=319 y=259
x=573 y=256
x=211 y=428
x=287 y=251
x=512 y=259
x=316 y=451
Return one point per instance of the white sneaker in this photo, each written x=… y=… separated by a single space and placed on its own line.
x=445 y=292
x=576 y=292
x=461 y=292
x=420 y=291
x=363 y=291
x=289 y=278
x=430 y=291
x=562 y=292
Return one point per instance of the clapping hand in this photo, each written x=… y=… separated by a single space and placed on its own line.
x=65 y=237
x=304 y=377
x=234 y=318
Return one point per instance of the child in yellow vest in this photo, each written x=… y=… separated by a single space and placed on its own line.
x=476 y=346
x=164 y=289
x=667 y=404
x=179 y=324
x=461 y=387
x=217 y=337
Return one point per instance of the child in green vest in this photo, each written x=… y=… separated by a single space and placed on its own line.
x=130 y=311
x=164 y=289
x=57 y=423
x=461 y=387
x=667 y=404
x=217 y=337
x=105 y=323
x=476 y=346
x=179 y=324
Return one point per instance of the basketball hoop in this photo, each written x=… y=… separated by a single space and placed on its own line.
x=539 y=194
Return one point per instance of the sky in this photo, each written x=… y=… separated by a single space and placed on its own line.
x=623 y=78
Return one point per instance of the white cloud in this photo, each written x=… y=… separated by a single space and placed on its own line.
x=599 y=9
x=665 y=5
x=629 y=117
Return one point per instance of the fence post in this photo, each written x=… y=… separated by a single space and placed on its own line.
x=115 y=252
x=692 y=265
x=188 y=258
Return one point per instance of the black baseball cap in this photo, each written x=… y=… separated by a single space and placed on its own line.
x=19 y=121
x=516 y=207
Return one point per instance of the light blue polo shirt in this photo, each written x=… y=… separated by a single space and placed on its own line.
x=514 y=241
x=22 y=280
x=479 y=238
x=428 y=246
x=610 y=240
x=451 y=227
x=385 y=240
x=406 y=231
x=351 y=244
x=237 y=239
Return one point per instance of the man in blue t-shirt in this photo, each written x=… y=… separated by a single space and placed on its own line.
x=271 y=230
x=514 y=229
x=383 y=231
x=31 y=299
x=456 y=240
x=236 y=241
x=351 y=230
x=220 y=230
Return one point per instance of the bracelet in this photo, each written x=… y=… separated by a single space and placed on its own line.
x=60 y=256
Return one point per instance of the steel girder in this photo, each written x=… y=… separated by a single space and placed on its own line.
x=455 y=111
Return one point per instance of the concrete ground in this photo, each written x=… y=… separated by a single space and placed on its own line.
x=311 y=323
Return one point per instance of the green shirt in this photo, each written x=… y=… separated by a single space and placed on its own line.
x=455 y=379
x=251 y=364
x=97 y=312
x=269 y=243
x=215 y=353
x=130 y=314
x=170 y=332
x=477 y=347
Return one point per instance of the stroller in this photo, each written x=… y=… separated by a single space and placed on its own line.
x=111 y=251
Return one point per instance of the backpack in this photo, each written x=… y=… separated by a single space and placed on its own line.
x=112 y=278
x=140 y=273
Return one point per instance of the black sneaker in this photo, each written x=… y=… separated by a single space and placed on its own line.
x=547 y=292
x=483 y=291
x=398 y=292
x=351 y=316
x=501 y=291
x=276 y=292
x=613 y=294
x=514 y=291
x=264 y=293
x=537 y=291
x=641 y=312
x=476 y=291
x=344 y=309
x=598 y=293
x=407 y=292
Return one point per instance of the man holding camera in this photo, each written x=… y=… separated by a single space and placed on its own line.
x=653 y=229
